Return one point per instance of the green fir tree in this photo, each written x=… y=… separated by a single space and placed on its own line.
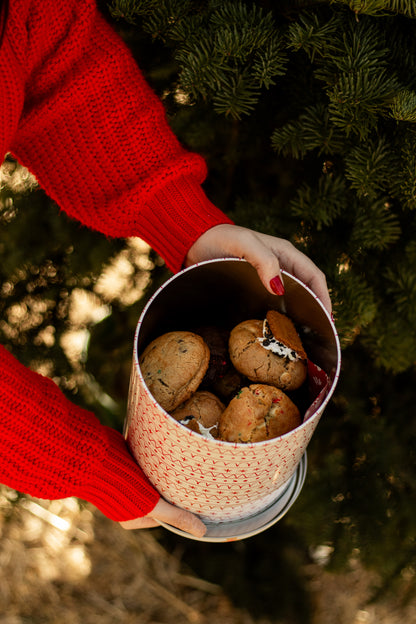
x=305 y=112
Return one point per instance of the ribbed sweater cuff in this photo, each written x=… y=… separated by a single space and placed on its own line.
x=176 y=216
x=119 y=487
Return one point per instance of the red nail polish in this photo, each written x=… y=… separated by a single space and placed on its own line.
x=276 y=285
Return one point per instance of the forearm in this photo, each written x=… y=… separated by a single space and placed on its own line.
x=96 y=136
x=54 y=449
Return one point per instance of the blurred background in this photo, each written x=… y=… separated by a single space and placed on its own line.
x=305 y=113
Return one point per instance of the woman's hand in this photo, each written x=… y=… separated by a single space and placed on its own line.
x=267 y=254
x=169 y=514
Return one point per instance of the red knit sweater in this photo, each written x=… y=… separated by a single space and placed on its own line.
x=75 y=109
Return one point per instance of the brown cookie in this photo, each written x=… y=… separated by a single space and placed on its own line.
x=284 y=331
x=227 y=386
x=173 y=366
x=259 y=363
x=219 y=362
x=201 y=413
x=258 y=412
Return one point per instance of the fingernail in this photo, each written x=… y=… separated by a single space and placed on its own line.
x=276 y=285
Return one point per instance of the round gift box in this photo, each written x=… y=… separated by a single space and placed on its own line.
x=222 y=481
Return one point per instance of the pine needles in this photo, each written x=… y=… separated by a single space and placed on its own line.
x=226 y=52
x=330 y=88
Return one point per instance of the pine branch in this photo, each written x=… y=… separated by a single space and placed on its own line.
x=357 y=100
x=289 y=140
x=323 y=204
x=362 y=46
x=392 y=341
x=236 y=98
x=268 y=62
x=202 y=72
x=226 y=54
x=123 y=9
x=167 y=19
x=380 y=8
x=355 y=305
x=391 y=337
x=312 y=130
x=368 y=166
x=131 y=10
x=403 y=107
x=345 y=76
x=403 y=183
x=375 y=227
x=313 y=34
x=245 y=26
x=401 y=284
x=353 y=67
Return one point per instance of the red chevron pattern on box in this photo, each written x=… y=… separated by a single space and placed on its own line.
x=222 y=481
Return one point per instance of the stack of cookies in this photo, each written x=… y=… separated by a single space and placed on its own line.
x=204 y=378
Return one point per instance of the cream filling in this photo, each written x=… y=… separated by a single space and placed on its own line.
x=204 y=431
x=269 y=342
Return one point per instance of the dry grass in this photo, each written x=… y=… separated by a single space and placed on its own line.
x=62 y=562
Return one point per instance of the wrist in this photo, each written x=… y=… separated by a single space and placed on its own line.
x=118 y=487
x=210 y=244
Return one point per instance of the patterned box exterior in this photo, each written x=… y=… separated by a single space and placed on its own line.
x=220 y=481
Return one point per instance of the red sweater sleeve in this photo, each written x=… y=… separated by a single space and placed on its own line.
x=75 y=109
x=96 y=136
x=52 y=449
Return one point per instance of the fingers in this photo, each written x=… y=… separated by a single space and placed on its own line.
x=165 y=512
x=267 y=254
x=179 y=518
x=139 y=523
x=317 y=283
x=262 y=255
x=302 y=267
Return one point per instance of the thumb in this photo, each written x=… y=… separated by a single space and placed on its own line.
x=164 y=512
x=184 y=520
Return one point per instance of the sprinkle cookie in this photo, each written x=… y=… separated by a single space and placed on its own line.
x=258 y=412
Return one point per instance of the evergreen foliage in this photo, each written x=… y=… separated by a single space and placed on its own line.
x=45 y=258
x=226 y=54
x=334 y=86
x=305 y=112
x=380 y=7
x=321 y=151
